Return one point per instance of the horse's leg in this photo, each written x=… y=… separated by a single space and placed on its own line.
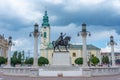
x=68 y=45
x=54 y=48
x=54 y=45
x=66 y=48
x=58 y=48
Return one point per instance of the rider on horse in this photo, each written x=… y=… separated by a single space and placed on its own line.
x=60 y=39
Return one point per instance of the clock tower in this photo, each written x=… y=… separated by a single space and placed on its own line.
x=45 y=32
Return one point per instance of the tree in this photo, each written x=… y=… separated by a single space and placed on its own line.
x=2 y=60
x=42 y=61
x=14 y=59
x=94 y=60
x=15 y=54
x=29 y=60
x=22 y=57
x=105 y=60
x=19 y=58
x=79 y=61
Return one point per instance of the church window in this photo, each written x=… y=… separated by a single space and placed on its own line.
x=44 y=27
x=74 y=54
x=45 y=35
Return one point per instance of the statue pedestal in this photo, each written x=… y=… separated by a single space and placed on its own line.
x=61 y=58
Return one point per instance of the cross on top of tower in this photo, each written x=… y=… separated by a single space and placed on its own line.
x=45 y=13
x=45 y=20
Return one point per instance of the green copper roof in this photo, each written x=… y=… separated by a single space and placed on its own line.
x=89 y=47
x=45 y=20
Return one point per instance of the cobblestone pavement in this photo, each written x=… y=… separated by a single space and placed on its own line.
x=113 y=77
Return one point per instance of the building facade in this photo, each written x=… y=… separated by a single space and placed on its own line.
x=3 y=46
x=117 y=56
x=46 y=48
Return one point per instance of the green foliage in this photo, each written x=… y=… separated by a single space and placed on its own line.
x=17 y=58
x=29 y=61
x=79 y=61
x=15 y=54
x=14 y=58
x=105 y=60
x=14 y=61
x=42 y=61
x=94 y=60
x=2 y=60
x=22 y=58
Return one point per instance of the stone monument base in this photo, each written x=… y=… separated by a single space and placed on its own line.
x=61 y=58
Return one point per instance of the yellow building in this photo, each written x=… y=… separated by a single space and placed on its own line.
x=74 y=50
x=3 y=46
x=46 y=48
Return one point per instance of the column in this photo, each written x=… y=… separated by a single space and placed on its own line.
x=35 y=63
x=0 y=51
x=84 y=34
x=84 y=51
x=9 y=56
x=112 y=54
x=99 y=56
x=112 y=43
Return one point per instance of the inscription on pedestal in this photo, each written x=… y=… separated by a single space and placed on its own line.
x=61 y=58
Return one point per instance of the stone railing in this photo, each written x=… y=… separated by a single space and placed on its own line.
x=104 y=71
x=31 y=71
x=60 y=68
x=21 y=71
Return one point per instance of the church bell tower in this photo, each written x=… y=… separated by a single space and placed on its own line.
x=45 y=32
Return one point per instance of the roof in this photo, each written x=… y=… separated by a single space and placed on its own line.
x=45 y=20
x=89 y=47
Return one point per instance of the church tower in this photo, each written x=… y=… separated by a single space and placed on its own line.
x=45 y=32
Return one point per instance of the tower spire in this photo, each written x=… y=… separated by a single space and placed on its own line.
x=45 y=13
x=45 y=20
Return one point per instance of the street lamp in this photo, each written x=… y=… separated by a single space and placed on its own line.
x=35 y=34
x=112 y=43
x=84 y=34
x=10 y=43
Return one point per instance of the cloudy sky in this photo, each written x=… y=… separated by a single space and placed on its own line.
x=102 y=17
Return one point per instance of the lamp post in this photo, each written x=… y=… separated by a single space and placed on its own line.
x=10 y=43
x=84 y=34
x=112 y=43
x=36 y=34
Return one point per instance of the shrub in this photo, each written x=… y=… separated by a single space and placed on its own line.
x=79 y=61
x=42 y=61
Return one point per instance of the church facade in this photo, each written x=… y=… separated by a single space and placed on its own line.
x=46 y=47
x=3 y=46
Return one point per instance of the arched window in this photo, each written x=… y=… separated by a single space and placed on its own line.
x=45 y=35
x=74 y=54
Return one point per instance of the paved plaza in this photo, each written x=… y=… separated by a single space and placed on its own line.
x=113 y=77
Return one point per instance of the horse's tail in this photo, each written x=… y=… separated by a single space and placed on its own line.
x=53 y=43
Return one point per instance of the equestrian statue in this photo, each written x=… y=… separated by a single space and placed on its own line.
x=61 y=41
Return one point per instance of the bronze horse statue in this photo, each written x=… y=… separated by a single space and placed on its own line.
x=64 y=42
